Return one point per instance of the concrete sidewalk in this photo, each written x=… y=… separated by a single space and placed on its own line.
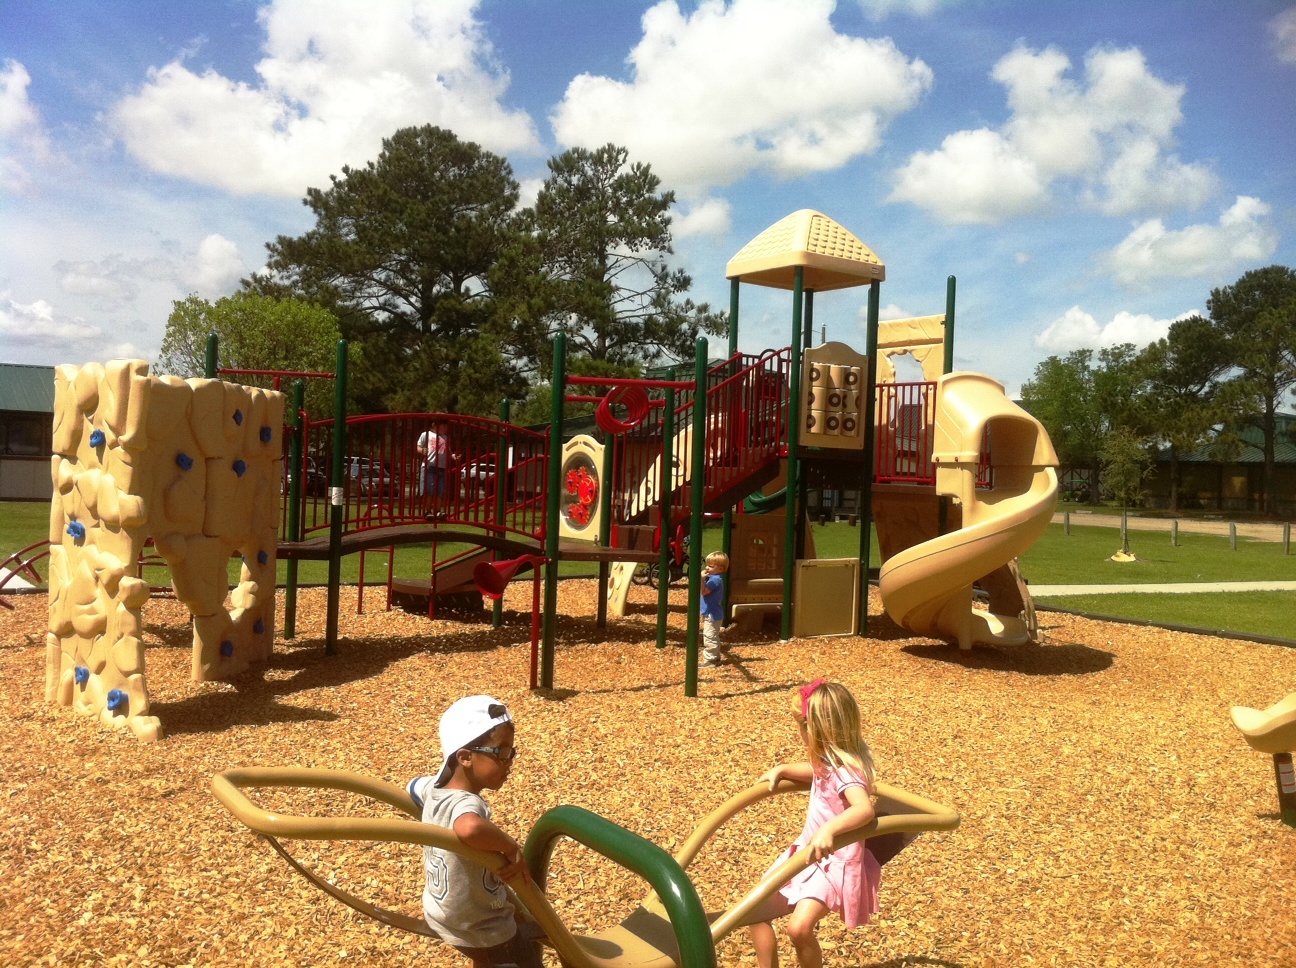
x=1253 y=530
x=1179 y=588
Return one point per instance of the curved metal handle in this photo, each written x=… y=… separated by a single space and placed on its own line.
x=913 y=814
x=683 y=907
x=229 y=785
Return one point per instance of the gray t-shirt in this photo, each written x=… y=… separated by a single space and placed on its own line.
x=464 y=903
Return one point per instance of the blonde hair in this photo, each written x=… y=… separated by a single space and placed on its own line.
x=833 y=734
x=718 y=558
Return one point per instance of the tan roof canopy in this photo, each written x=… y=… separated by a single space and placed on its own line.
x=831 y=257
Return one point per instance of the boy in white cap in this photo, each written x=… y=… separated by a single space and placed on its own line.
x=467 y=905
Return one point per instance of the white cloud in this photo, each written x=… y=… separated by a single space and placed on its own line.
x=1242 y=235
x=771 y=86
x=336 y=78
x=880 y=9
x=36 y=323
x=1110 y=136
x=23 y=141
x=1282 y=31
x=215 y=269
x=1077 y=329
x=708 y=217
x=977 y=177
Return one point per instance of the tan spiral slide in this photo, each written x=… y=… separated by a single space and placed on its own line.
x=928 y=588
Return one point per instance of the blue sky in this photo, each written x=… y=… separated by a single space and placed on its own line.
x=1089 y=170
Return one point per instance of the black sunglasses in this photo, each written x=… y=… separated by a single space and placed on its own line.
x=505 y=754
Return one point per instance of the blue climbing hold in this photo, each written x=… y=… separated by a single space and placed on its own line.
x=240 y=468
x=262 y=557
x=227 y=648
x=76 y=529
x=81 y=674
x=259 y=627
x=238 y=417
x=266 y=434
x=184 y=461
x=97 y=438
x=116 y=699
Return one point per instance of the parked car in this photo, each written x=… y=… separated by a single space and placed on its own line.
x=314 y=480
x=368 y=476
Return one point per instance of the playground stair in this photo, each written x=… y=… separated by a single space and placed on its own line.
x=450 y=590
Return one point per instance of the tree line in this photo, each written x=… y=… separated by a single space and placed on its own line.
x=450 y=292
x=1208 y=379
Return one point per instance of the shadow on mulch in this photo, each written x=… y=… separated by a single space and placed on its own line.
x=217 y=712
x=1061 y=659
x=913 y=962
x=255 y=691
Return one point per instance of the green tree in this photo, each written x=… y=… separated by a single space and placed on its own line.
x=1257 y=317
x=1126 y=465
x=1061 y=395
x=595 y=266
x=1180 y=376
x=1079 y=404
x=403 y=249
x=255 y=332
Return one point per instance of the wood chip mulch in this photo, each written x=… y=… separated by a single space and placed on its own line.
x=1111 y=814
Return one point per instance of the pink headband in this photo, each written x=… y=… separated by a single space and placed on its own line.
x=806 y=692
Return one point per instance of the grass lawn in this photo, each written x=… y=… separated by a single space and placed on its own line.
x=1254 y=613
x=1082 y=558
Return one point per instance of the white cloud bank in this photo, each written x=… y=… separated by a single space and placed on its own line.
x=1242 y=235
x=1282 y=31
x=1110 y=135
x=337 y=77
x=1077 y=329
x=752 y=86
x=23 y=141
x=37 y=324
x=880 y=9
x=213 y=269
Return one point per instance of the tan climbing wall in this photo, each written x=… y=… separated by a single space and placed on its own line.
x=192 y=464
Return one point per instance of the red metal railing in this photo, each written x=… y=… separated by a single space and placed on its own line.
x=745 y=429
x=385 y=479
x=906 y=426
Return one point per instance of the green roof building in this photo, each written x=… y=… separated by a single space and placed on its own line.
x=26 y=431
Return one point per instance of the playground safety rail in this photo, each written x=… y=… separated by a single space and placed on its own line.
x=384 y=482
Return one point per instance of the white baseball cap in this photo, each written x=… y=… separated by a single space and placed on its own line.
x=466 y=720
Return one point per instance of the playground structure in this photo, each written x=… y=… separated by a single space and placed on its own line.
x=669 y=928
x=1273 y=731
x=958 y=479
x=193 y=465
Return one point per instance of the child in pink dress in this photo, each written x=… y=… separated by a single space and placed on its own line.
x=840 y=772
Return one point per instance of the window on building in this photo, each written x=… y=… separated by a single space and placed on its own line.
x=26 y=435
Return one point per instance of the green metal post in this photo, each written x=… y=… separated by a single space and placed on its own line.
x=803 y=488
x=605 y=525
x=726 y=533
x=294 y=506
x=807 y=330
x=793 y=467
x=947 y=366
x=501 y=500
x=665 y=496
x=698 y=481
x=951 y=284
x=553 y=507
x=209 y=364
x=870 y=437
x=337 y=500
